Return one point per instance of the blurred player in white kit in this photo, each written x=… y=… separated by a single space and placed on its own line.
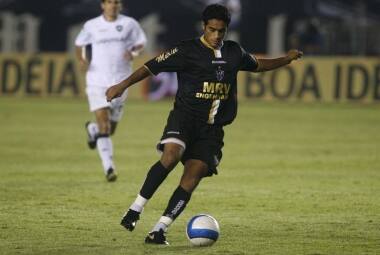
x=115 y=39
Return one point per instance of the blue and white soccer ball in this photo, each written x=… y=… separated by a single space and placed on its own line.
x=202 y=230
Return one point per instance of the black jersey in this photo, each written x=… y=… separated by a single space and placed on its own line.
x=206 y=77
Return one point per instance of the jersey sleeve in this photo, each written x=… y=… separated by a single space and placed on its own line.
x=84 y=37
x=138 y=36
x=172 y=60
x=248 y=62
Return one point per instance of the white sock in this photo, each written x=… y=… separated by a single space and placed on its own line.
x=139 y=203
x=105 y=149
x=163 y=223
x=93 y=130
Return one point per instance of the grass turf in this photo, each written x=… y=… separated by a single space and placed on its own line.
x=295 y=179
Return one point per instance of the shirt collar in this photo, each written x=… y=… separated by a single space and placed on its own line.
x=104 y=18
x=203 y=40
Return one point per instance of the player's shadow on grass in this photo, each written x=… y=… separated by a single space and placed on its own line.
x=173 y=248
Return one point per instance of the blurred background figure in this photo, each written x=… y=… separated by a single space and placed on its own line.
x=346 y=27
x=270 y=27
x=164 y=85
x=307 y=38
x=115 y=40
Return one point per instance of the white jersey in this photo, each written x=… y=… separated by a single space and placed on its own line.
x=110 y=41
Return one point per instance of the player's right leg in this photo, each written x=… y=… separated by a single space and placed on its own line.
x=92 y=133
x=117 y=110
x=201 y=158
x=172 y=146
x=156 y=175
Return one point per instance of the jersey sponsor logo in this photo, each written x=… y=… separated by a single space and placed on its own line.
x=164 y=56
x=119 y=28
x=214 y=91
x=219 y=73
x=112 y=40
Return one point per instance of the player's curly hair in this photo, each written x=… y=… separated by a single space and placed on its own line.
x=216 y=11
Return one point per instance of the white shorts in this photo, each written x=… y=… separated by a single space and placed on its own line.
x=97 y=100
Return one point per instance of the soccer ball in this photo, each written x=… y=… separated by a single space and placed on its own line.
x=202 y=230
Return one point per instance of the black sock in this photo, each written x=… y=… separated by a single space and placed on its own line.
x=177 y=203
x=101 y=135
x=156 y=175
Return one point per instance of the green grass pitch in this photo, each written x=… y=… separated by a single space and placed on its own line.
x=295 y=178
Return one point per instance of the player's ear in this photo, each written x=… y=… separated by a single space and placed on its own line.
x=203 y=26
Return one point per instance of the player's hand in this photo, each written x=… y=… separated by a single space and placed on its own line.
x=294 y=55
x=129 y=55
x=114 y=91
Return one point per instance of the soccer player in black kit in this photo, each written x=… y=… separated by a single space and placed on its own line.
x=206 y=101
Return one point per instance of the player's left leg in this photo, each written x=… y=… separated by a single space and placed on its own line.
x=194 y=171
x=116 y=112
x=104 y=143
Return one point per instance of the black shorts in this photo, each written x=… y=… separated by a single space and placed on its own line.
x=203 y=141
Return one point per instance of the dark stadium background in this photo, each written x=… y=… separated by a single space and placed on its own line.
x=181 y=16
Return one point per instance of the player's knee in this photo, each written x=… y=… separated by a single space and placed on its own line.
x=104 y=127
x=194 y=171
x=189 y=183
x=170 y=159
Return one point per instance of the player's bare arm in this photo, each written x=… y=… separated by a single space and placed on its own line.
x=118 y=89
x=83 y=63
x=270 y=64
